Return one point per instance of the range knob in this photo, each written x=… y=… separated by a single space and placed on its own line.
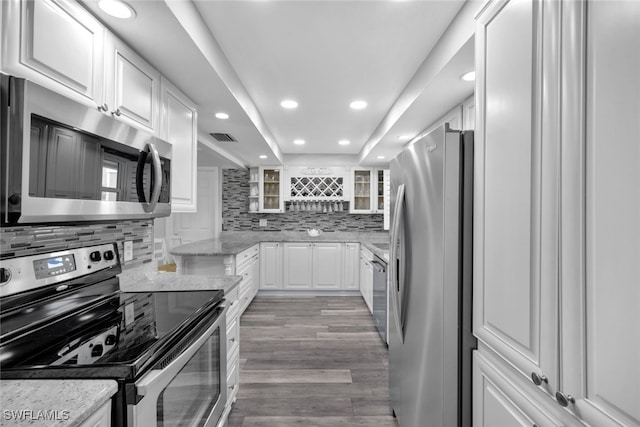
x=97 y=350
x=110 y=340
x=108 y=255
x=95 y=256
x=5 y=275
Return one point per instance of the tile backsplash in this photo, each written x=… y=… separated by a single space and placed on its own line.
x=236 y=216
x=35 y=239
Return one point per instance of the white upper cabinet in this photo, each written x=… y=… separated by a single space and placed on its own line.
x=271 y=190
x=362 y=190
x=600 y=210
x=56 y=44
x=180 y=128
x=368 y=190
x=132 y=86
x=514 y=242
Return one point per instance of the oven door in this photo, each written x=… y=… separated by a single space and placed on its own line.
x=190 y=389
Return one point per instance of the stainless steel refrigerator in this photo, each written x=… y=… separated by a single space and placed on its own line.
x=430 y=261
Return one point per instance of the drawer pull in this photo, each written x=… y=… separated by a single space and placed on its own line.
x=232 y=340
x=539 y=379
x=233 y=387
x=564 y=399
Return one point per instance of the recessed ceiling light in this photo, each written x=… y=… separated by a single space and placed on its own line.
x=299 y=141
x=289 y=104
x=262 y=156
x=117 y=9
x=380 y=157
x=344 y=142
x=222 y=116
x=358 y=105
x=404 y=137
x=468 y=77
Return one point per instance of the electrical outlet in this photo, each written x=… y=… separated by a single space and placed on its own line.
x=128 y=251
x=263 y=223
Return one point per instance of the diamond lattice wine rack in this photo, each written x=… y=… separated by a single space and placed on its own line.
x=317 y=188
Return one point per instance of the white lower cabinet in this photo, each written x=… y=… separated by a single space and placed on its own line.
x=327 y=265
x=366 y=277
x=298 y=263
x=233 y=351
x=245 y=266
x=312 y=266
x=351 y=266
x=307 y=266
x=270 y=265
x=500 y=398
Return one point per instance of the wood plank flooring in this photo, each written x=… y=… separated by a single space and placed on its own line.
x=311 y=362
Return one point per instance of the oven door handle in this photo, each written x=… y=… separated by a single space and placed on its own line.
x=157 y=379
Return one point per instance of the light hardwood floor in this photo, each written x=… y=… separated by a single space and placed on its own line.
x=311 y=362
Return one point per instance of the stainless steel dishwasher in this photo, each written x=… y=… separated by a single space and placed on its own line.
x=380 y=296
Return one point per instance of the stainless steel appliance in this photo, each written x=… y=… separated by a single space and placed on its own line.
x=63 y=316
x=430 y=338
x=380 y=296
x=64 y=161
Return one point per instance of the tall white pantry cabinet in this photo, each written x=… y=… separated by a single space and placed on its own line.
x=557 y=209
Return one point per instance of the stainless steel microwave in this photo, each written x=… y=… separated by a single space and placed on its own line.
x=62 y=161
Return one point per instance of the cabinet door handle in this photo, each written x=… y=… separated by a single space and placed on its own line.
x=232 y=339
x=564 y=399
x=539 y=379
x=103 y=107
x=117 y=112
x=232 y=387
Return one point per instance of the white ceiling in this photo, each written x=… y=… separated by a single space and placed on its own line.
x=244 y=57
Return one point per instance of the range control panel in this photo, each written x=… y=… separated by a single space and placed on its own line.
x=34 y=271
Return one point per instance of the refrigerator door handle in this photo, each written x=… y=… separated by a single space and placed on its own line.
x=396 y=305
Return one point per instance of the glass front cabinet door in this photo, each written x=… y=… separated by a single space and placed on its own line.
x=271 y=196
x=361 y=191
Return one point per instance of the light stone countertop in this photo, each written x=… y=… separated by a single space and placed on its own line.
x=52 y=402
x=145 y=279
x=234 y=242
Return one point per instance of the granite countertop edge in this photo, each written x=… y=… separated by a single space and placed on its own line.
x=75 y=400
x=145 y=279
x=232 y=243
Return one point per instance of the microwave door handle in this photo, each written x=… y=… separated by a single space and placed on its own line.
x=393 y=270
x=157 y=176
x=149 y=148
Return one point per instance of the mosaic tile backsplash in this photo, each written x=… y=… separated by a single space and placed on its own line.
x=29 y=240
x=236 y=216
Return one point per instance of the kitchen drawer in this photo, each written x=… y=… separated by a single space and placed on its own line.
x=233 y=377
x=233 y=304
x=233 y=337
x=246 y=255
x=246 y=297
x=246 y=272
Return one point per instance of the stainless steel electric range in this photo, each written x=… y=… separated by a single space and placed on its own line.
x=63 y=315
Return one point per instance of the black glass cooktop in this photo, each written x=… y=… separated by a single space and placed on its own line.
x=98 y=332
